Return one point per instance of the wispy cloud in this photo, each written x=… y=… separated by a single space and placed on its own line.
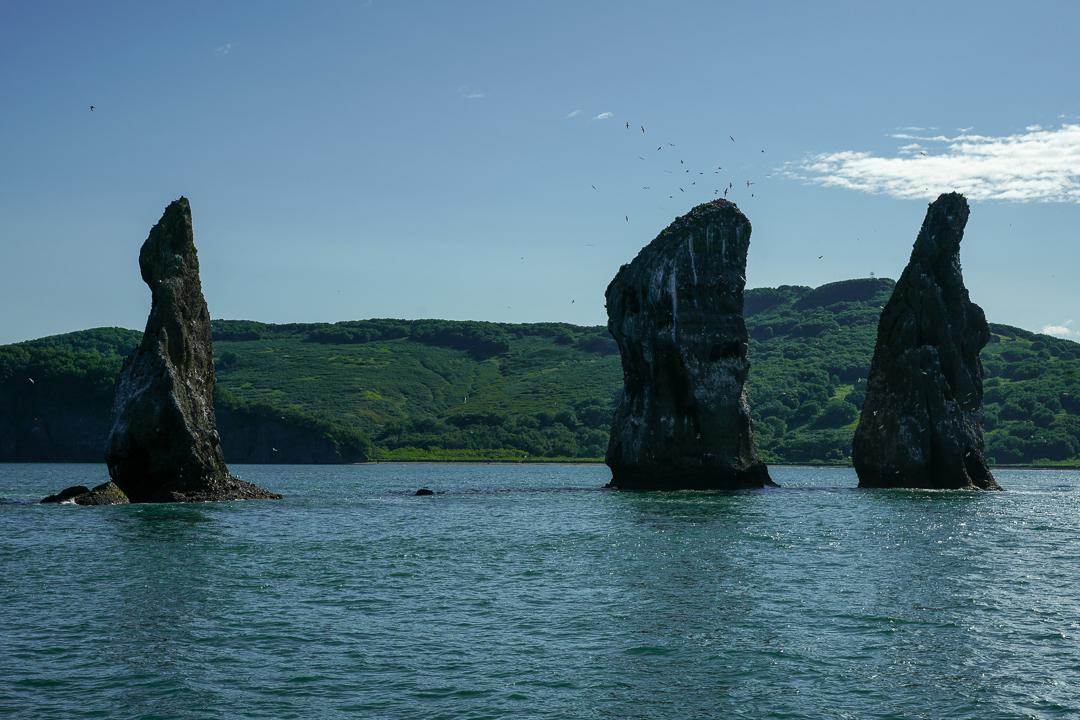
x=1036 y=165
x=571 y=114
x=604 y=116
x=469 y=93
x=223 y=49
x=1064 y=330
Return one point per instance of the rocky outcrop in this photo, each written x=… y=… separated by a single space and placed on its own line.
x=919 y=426
x=104 y=494
x=164 y=445
x=683 y=421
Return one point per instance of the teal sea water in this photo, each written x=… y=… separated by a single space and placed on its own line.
x=525 y=591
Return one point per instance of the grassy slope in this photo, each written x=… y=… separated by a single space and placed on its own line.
x=437 y=390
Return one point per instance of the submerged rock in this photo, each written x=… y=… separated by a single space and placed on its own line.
x=676 y=312
x=104 y=494
x=919 y=426
x=66 y=495
x=164 y=445
x=424 y=491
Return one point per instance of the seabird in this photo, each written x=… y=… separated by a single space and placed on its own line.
x=732 y=139
x=92 y=108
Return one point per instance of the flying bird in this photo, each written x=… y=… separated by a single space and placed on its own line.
x=642 y=129
x=627 y=124
x=31 y=381
x=593 y=187
x=732 y=139
x=627 y=218
x=659 y=148
x=92 y=107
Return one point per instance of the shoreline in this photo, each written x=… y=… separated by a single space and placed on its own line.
x=533 y=461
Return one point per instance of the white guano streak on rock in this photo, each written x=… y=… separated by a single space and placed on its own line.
x=672 y=278
x=690 y=250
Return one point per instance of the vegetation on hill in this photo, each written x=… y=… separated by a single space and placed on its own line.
x=435 y=389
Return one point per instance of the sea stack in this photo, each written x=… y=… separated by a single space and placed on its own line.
x=164 y=444
x=676 y=312
x=919 y=426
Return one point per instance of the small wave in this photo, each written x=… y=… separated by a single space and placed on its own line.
x=649 y=650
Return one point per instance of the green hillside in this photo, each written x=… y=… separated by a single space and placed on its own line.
x=433 y=389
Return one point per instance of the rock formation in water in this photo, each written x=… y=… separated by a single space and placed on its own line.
x=103 y=494
x=676 y=312
x=164 y=445
x=919 y=426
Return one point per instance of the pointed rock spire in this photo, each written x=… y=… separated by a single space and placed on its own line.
x=164 y=444
x=919 y=425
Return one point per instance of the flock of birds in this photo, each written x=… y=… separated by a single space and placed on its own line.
x=690 y=175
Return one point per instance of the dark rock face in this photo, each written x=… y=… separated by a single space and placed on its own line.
x=683 y=421
x=424 y=491
x=164 y=445
x=70 y=421
x=919 y=426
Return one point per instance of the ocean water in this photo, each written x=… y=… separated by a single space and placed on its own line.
x=526 y=591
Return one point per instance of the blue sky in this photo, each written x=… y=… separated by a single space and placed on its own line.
x=408 y=159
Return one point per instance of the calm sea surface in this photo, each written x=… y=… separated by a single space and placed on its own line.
x=525 y=591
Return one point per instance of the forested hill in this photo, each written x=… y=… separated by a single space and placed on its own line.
x=436 y=389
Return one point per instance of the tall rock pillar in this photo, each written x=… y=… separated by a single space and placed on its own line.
x=683 y=421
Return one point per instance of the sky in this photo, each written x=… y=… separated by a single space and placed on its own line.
x=471 y=160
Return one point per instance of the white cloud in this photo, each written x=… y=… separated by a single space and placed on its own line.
x=1036 y=165
x=474 y=96
x=604 y=116
x=1062 y=331
x=572 y=113
x=223 y=49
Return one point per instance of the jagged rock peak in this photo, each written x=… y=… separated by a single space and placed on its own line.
x=682 y=420
x=920 y=422
x=164 y=445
